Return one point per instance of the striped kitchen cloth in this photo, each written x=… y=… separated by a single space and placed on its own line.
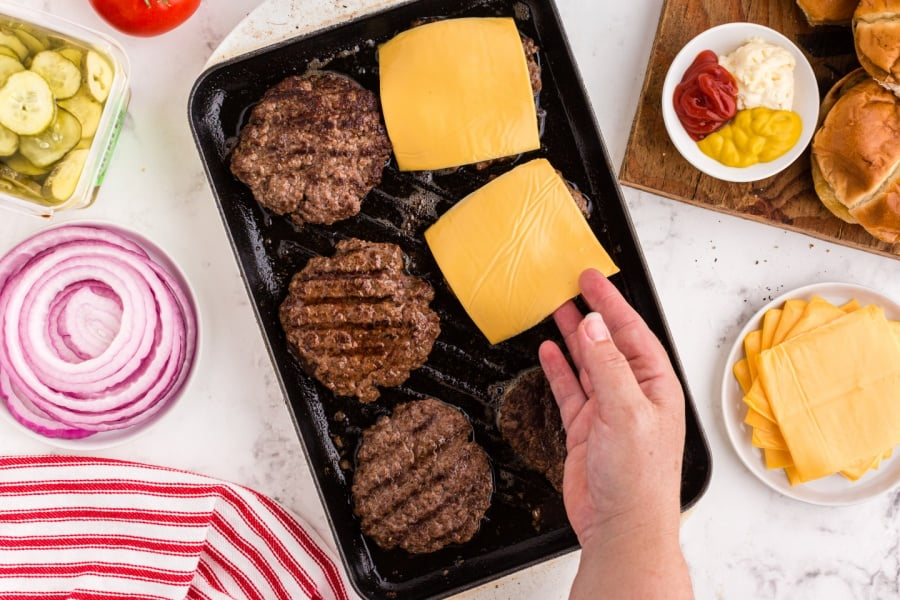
x=80 y=528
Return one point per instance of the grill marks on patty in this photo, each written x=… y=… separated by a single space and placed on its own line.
x=357 y=320
x=420 y=483
x=314 y=146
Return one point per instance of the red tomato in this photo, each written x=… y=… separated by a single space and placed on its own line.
x=145 y=18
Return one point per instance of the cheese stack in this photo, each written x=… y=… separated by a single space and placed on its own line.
x=820 y=383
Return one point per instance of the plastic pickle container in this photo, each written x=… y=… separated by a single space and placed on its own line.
x=63 y=96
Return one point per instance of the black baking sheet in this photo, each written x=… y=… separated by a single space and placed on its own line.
x=526 y=522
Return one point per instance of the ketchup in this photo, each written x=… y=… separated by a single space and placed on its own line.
x=706 y=98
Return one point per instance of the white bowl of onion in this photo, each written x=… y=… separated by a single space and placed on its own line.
x=98 y=335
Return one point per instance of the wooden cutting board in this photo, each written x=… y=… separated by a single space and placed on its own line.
x=786 y=200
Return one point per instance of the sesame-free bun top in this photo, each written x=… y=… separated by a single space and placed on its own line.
x=856 y=155
x=876 y=35
x=828 y=12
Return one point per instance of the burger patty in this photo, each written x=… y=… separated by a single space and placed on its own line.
x=314 y=146
x=420 y=483
x=531 y=58
x=357 y=320
x=529 y=421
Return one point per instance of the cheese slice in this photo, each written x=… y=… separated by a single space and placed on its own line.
x=756 y=399
x=752 y=348
x=457 y=91
x=895 y=329
x=792 y=475
x=777 y=459
x=513 y=250
x=757 y=420
x=816 y=313
x=851 y=305
x=768 y=439
x=832 y=391
x=790 y=312
x=741 y=371
x=770 y=323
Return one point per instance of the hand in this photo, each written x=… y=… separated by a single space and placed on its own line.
x=624 y=420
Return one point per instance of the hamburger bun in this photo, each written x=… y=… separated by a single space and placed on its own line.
x=856 y=155
x=828 y=12
x=876 y=36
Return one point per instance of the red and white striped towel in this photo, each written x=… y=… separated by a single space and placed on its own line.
x=80 y=528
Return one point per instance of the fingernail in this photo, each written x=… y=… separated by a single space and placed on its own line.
x=595 y=327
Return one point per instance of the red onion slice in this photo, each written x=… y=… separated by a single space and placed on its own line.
x=83 y=321
x=95 y=334
x=34 y=418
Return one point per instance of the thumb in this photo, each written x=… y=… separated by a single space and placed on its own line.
x=614 y=385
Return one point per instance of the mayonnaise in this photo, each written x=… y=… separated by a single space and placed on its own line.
x=764 y=74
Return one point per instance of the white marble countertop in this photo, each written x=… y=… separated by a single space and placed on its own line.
x=711 y=271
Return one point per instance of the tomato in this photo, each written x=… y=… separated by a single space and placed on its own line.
x=145 y=18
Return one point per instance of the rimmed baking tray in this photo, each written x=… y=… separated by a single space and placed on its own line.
x=526 y=522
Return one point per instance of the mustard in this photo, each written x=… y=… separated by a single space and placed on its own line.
x=754 y=135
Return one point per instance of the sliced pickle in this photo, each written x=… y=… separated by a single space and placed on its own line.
x=8 y=66
x=62 y=76
x=63 y=179
x=54 y=142
x=20 y=182
x=73 y=54
x=9 y=142
x=22 y=165
x=12 y=41
x=32 y=42
x=26 y=103
x=86 y=110
x=8 y=187
x=98 y=75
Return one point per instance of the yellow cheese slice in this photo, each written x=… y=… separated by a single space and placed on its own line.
x=851 y=305
x=767 y=439
x=777 y=459
x=512 y=251
x=741 y=372
x=816 y=313
x=790 y=312
x=752 y=347
x=860 y=467
x=770 y=322
x=756 y=399
x=457 y=91
x=895 y=328
x=844 y=372
x=755 y=419
x=792 y=475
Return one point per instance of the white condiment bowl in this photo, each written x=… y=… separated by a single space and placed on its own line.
x=724 y=39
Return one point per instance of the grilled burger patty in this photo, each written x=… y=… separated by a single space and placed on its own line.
x=529 y=421
x=314 y=146
x=420 y=483
x=531 y=58
x=357 y=320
